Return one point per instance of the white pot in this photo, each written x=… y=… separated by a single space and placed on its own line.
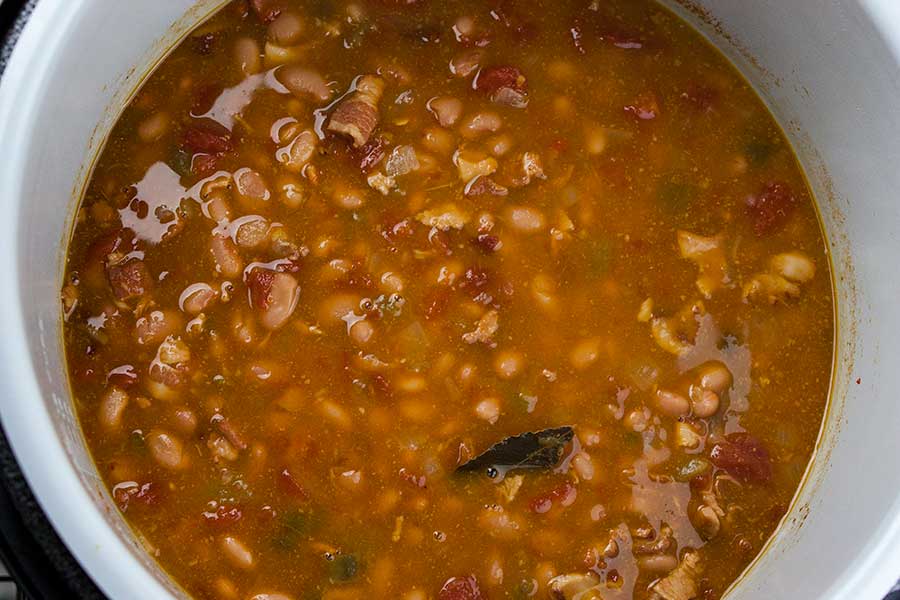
x=830 y=70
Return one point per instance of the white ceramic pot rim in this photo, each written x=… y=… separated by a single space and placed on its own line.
x=61 y=493
x=67 y=502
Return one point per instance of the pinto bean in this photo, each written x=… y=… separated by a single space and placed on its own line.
x=228 y=262
x=303 y=82
x=715 y=376
x=446 y=109
x=252 y=231
x=287 y=29
x=112 y=407
x=154 y=127
x=336 y=308
x=585 y=353
x=154 y=327
x=250 y=186
x=196 y=298
x=704 y=403
x=438 y=141
x=166 y=449
x=236 y=552
x=480 y=123
x=299 y=152
x=500 y=145
x=184 y=420
x=525 y=219
x=488 y=410
x=274 y=294
x=248 y=56
x=463 y=65
x=362 y=332
x=672 y=403
x=508 y=364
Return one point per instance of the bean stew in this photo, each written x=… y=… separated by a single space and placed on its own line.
x=456 y=301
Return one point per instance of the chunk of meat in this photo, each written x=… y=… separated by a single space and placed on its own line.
x=504 y=85
x=473 y=163
x=128 y=277
x=484 y=186
x=681 y=583
x=485 y=329
x=771 y=207
x=461 y=588
x=570 y=585
x=709 y=256
x=304 y=82
x=446 y=217
x=744 y=457
x=274 y=294
x=357 y=115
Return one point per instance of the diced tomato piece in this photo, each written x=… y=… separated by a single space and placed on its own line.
x=289 y=485
x=562 y=495
x=743 y=457
x=771 y=208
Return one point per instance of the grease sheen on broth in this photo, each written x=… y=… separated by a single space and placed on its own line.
x=334 y=250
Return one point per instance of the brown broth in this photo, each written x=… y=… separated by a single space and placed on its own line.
x=311 y=452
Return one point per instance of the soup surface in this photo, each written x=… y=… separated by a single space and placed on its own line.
x=335 y=251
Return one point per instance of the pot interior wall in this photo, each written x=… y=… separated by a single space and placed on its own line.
x=826 y=75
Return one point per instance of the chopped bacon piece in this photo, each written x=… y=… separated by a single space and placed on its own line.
x=128 y=278
x=357 y=115
x=461 y=588
x=228 y=431
x=371 y=153
x=743 y=457
x=484 y=186
x=207 y=137
x=503 y=84
x=771 y=208
x=487 y=242
x=485 y=329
